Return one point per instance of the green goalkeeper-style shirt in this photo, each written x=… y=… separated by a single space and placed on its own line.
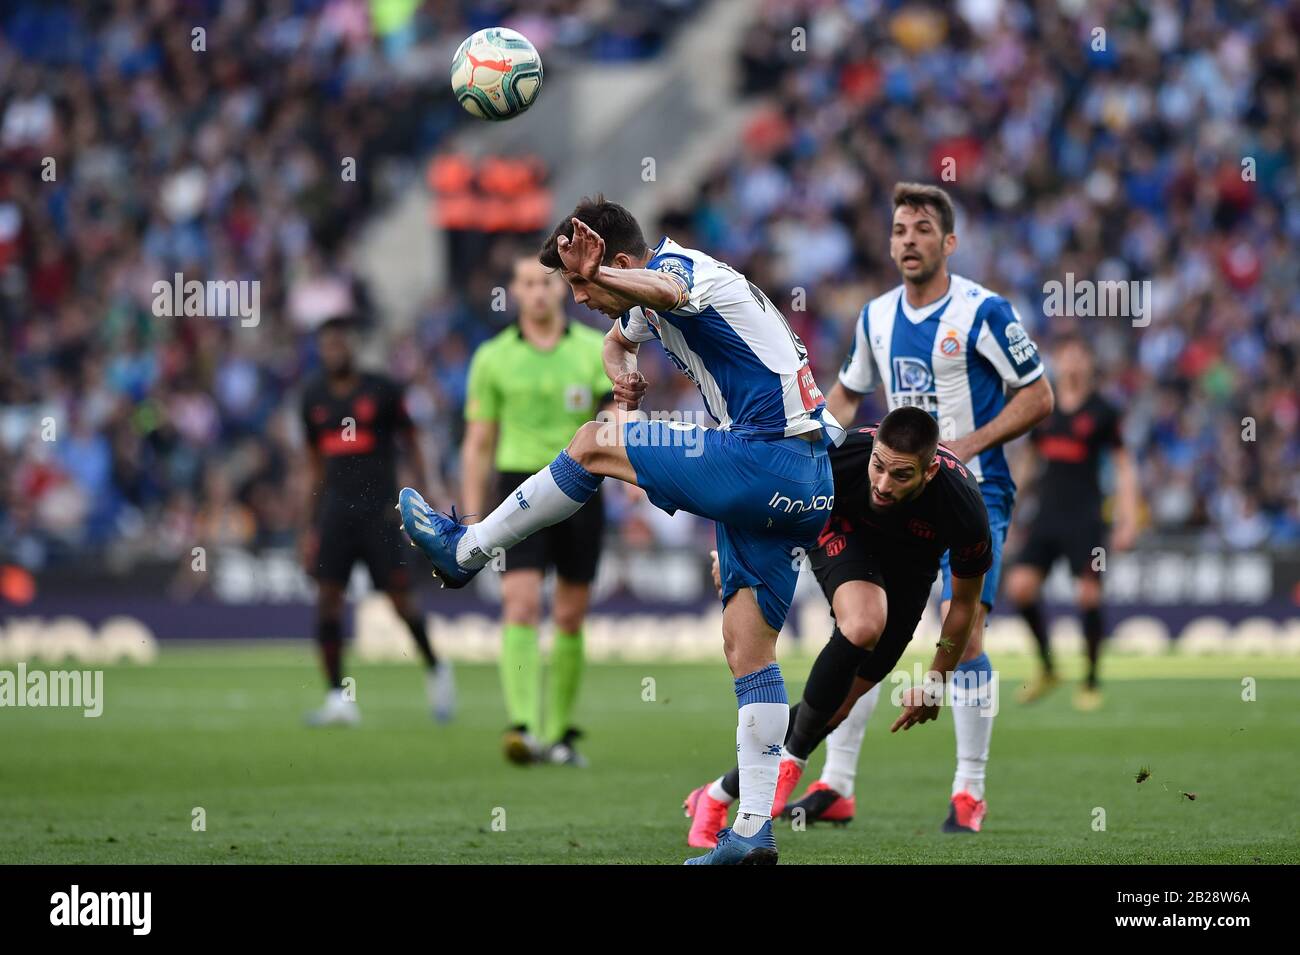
x=538 y=398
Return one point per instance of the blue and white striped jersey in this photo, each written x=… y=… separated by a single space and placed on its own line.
x=955 y=358
x=736 y=346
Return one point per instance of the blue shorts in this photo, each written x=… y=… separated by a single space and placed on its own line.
x=770 y=499
x=999 y=500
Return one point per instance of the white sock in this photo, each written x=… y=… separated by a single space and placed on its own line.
x=763 y=718
x=972 y=719
x=554 y=493
x=718 y=794
x=844 y=744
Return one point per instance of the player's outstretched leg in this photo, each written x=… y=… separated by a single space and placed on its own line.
x=458 y=552
x=830 y=798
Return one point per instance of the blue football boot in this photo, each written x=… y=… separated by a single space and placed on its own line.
x=436 y=535
x=733 y=849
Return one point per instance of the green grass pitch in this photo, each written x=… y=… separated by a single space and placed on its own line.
x=220 y=729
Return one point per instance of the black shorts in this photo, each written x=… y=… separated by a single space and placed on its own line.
x=572 y=546
x=374 y=538
x=1051 y=538
x=846 y=554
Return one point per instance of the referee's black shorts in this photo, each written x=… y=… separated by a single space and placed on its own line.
x=572 y=546
x=845 y=554
x=371 y=536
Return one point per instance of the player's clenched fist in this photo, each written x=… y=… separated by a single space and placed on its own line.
x=629 y=389
x=583 y=253
x=717 y=572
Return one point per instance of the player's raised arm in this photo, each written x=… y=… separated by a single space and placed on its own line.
x=583 y=254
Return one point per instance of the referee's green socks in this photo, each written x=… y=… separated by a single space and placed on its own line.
x=521 y=675
x=562 y=683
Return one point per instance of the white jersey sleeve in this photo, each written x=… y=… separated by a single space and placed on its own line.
x=635 y=326
x=681 y=268
x=859 y=373
x=1006 y=344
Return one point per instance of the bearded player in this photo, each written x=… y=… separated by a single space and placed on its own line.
x=945 y=344
x=901 y=502
x=763 y=474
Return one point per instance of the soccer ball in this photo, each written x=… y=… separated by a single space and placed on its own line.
x=496 y=74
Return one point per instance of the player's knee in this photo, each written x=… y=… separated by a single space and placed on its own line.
x=746 y=656
x=1089 y=593
x=863 y=629
x=595 y=445
x=568 y=620
x=521 y=609
x=1021 y=587
x=586 y=444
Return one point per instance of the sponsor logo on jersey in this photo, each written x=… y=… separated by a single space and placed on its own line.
x=519 y=496
x=914 y=386
x=913 y=374
x=808 y=390
x=921 y=529
x=786 y=505
x=1019 y=343
x=577 y=398
x=676 y=268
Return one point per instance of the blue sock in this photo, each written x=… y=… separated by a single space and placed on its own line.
x=573 y=479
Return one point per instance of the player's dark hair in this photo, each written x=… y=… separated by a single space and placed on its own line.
x=919 y=196
x=1073 y=339
x=613 y=223
x=339 y=323
x=909 y=430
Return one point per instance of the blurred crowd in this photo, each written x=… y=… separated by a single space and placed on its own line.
x=1151 y=142
x=215 y=141
x=127 y=154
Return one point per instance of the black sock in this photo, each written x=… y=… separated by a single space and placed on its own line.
x=1033 y=615
x=1092 y=633
x=731 y=783
x=420 y=631
x=827 y=687
x=329 y=636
